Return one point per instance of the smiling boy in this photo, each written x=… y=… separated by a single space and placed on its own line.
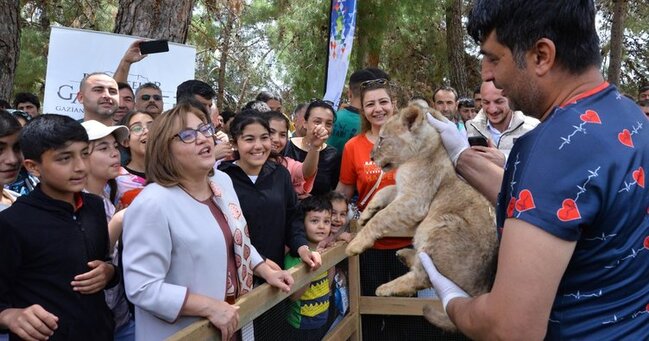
x=54 y=242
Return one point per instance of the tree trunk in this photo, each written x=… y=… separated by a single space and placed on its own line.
x=9 y=45
x=455 y=47
x=160 y=19
x=617 y=39
x=225 y=50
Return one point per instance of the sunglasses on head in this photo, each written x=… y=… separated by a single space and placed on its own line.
x=148 y=97
x=374 y=82
x=189 y=135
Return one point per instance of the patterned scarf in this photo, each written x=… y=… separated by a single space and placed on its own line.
x=241 y=235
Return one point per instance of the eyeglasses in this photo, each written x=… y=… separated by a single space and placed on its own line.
x=374 y=82
x=189 y=135
x=148 y=97
x=138 y=128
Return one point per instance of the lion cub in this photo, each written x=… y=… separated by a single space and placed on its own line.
x=452 y=222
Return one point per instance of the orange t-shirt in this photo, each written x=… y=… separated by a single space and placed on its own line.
x=359 y=171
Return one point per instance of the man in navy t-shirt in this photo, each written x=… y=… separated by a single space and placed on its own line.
x=572 y=202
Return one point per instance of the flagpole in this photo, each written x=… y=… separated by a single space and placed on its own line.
x=326 y=74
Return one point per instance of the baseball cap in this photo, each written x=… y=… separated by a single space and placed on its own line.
x=97 y=130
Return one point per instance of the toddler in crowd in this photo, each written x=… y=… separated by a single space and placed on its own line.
x=309 y=311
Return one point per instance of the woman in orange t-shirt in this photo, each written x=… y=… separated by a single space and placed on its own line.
x=358 y=173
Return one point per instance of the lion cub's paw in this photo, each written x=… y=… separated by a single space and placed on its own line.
x=390 y=289
x=407 y=256
x=357 y=245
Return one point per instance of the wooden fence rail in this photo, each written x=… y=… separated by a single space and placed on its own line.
x=264 y=297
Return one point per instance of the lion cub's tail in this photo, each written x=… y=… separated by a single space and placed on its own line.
x=439 y=318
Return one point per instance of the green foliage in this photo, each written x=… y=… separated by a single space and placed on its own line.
x=281 y=45
x=36 y=19
x=30 y=72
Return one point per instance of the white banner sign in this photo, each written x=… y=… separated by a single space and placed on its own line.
x=74 y=53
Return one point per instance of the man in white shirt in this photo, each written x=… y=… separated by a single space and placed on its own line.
x=498 y=123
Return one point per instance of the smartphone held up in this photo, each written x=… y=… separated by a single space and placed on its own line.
x=154 y=46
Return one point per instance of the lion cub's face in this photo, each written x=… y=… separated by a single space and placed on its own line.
x=403 y=137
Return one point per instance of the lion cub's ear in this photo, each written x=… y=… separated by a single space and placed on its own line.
x=412 y=117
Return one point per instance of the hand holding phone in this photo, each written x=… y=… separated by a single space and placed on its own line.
x=478 y=141
x=154 y=46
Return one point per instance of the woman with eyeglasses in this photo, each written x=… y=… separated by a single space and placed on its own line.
x=131 y=178
x=358 y=173
x=318 y=114
x=187 y=251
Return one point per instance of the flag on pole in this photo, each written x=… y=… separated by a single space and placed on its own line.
x=341 y=37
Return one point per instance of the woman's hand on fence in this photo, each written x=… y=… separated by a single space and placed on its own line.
x=280 y=279
x=272 y=264
x=225 y=317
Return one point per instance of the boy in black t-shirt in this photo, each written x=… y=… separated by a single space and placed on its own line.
x=54 y=242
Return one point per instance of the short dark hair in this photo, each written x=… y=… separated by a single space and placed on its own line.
x=227 y=115
x=335 y=196
x=465 y=102
x=193 y=102
x=9 y=125
x=519 y=24
x=276 y=115
x=643 y=88
x=318 y=104
x=266 y=96
x=362 y=75
x=23 y=97
x=148 y=85
x=315 y=203
x=189 y=88
x=4 y=104
x=50 y=132
x=477 y=90
x=445 y=88
x=124 y=85
x=245 y=118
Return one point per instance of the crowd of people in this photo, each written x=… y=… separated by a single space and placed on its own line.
x=134 y=222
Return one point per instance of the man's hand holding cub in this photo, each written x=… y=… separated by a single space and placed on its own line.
x=455 y=141
x=444 y=287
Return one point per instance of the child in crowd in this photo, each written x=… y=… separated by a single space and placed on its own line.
x=103 y=167
x=131 y=178
x=104 y=161
x=10 y=156
x=23 y=183
x=53 y=259
x=302 y=173
x=339 y=231
x=10 y=163
x=339 y=217
x=309 y=311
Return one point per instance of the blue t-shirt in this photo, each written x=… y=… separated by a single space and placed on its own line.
x=580 y=176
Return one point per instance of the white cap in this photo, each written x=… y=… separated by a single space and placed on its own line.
x=97 y=130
